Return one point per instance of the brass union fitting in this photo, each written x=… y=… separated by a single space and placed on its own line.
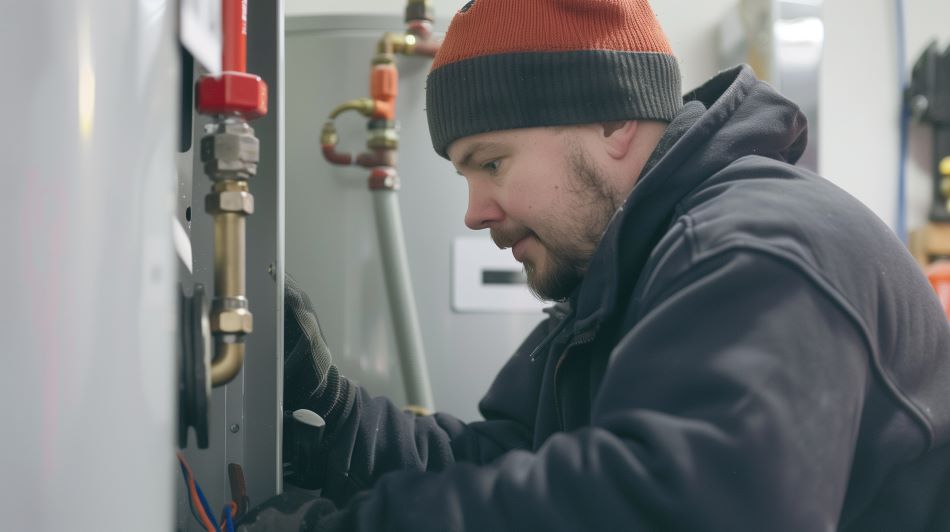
x=230 y=196
x=232 y=321
x=383 y=139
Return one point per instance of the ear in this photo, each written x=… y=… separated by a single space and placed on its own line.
x=619 y=136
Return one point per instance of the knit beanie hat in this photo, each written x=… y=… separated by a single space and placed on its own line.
x=507 y=64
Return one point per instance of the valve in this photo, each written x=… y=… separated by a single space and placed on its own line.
x=230 y=153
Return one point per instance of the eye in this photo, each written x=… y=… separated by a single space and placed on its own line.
x=491 y=166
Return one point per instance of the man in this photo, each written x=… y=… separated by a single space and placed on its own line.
x=737 y=344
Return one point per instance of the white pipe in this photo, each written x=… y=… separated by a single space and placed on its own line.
x=401 y=301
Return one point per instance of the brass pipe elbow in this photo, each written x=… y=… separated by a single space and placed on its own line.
x=394 y=43
x=229 y=357
x=364 y=106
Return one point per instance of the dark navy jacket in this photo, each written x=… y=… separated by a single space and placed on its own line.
x=751 y=349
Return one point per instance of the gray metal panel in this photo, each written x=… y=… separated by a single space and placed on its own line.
x=245 y=415
x=265 y=275
x=331 y=240
x=87 y=384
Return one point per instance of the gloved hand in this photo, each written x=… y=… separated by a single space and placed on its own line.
x=291 y=511
x=311 y=382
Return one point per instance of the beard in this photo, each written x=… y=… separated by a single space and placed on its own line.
x=569 y=249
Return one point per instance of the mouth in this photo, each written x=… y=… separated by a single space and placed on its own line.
x=519 y=249
x=518 y=240
x=508 y=239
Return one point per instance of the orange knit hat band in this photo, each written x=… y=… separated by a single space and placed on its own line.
x=507 y=64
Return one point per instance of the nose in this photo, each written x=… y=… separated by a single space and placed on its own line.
x=483 y=209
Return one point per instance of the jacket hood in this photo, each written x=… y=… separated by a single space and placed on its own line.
x=743 y=116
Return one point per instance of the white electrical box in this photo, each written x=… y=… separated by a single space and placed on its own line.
x=488 y=279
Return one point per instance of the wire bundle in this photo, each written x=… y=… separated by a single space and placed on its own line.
x=199 y=506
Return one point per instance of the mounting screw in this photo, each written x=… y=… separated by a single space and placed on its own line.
x=234 y=428
x=272 y=270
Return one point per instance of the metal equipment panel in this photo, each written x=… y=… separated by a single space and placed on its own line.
x=87 y=391
x=245 y=416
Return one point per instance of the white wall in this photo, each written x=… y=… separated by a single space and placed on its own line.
x=860 y=98
x=858 y=139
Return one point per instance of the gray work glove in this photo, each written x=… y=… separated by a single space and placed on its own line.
x=311 y=382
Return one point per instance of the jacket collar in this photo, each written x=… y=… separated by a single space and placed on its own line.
x=734 y=107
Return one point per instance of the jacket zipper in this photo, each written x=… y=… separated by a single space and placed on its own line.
x=558 y=329
x=584 y=338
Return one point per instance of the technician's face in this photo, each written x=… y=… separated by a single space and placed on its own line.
x=539 y=194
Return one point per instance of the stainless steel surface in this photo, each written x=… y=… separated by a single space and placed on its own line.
x=333 y=248
x=783 y=41
x=87 y=388
x=402 y=303
x=252 y=401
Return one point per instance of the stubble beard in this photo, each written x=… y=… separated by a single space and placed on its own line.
x=569 y=254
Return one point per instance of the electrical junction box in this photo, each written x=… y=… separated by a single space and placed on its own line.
x=488 y=279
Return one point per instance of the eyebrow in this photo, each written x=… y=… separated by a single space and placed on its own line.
x=466 y=161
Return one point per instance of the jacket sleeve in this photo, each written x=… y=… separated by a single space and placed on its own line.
x=732 y=404
x=375 y=437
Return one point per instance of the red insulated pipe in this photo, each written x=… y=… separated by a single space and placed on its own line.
x=234 y=19
x=335 y=157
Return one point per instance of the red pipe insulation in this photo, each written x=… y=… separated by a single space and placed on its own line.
x=234 y=20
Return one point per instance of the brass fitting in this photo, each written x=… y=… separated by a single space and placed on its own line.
x=383 y=139
x=416 y=410
x=394 y=43
x=419 y=10
x=944 y=169
x=227 y=363
x=364 y=106
x=329 y=135
x=232 y=321
x=230 y=153
x=230 y=196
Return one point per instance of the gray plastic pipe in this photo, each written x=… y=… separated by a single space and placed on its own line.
x=402 y=303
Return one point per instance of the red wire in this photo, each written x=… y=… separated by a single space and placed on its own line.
x=234 y=507
x=196 y=502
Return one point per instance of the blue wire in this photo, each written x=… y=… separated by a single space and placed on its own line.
x=227 y=518
x=191 y=505
x=904 y=119
x=206 y=506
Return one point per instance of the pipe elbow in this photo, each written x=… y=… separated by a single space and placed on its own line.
x=227 y=363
